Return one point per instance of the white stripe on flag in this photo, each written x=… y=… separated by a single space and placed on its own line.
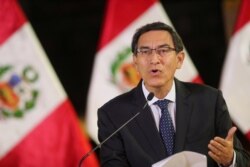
x=235 y=81
x=23 y=41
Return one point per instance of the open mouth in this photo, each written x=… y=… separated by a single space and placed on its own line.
x=155 y=71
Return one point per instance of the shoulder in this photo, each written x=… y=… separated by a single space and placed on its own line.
x=195 y=87
x=119 y=109
x=120 y=100
x=201 y=95
x=202 y=91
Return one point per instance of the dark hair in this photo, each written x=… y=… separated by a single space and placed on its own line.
x=156 y=26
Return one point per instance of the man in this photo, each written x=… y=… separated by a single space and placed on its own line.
x=197 y=117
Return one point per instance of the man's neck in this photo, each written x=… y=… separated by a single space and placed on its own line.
x=160 y=92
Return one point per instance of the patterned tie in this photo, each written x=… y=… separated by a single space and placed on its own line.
x=166 y=126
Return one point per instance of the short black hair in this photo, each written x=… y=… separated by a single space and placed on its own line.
x=178 y=44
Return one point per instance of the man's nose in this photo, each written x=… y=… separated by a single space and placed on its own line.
x=154 y=57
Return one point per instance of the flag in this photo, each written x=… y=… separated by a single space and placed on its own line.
x=113 y=71
x=38 y=124
x=235 y=78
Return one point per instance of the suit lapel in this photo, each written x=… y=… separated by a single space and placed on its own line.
x=147 y=125
x=183 y=112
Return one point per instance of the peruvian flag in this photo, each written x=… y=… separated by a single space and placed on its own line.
x=235 y=80
x=38 y=124
x=113 y=71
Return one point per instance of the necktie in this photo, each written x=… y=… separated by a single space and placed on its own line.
x=166 y=127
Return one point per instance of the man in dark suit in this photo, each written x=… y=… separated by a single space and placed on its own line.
x=197 y=115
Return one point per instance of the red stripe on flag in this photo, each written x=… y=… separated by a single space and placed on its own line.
x=57 y=141
x=248 y=135
x=119 y=14
x=197 y=79
x=244 y=15
x=11 y=18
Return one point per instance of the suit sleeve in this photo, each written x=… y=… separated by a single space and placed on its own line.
x=112 y=153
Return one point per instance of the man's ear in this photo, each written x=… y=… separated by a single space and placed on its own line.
x=180 y=59
x=135 y=61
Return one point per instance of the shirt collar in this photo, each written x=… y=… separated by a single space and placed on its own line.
x=170 y=96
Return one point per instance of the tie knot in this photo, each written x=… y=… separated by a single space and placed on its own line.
x=163 y=104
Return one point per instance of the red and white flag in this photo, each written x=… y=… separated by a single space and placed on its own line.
x=235 y=79
x=113 y=71
x=38 y=125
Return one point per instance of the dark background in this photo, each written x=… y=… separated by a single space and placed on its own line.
x=69 y=31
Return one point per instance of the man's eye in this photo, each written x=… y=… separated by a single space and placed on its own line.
x=163 y=50
x=145 y=51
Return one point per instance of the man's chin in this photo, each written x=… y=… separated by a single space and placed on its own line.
x=154 y=84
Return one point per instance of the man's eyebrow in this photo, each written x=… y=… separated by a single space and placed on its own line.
x=163 y=45
x=144 y=47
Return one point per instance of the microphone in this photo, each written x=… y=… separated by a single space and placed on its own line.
x=149 y=97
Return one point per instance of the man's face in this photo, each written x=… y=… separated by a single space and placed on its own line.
x=157 y=67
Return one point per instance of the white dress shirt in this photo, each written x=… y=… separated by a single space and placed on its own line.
x=156 y=111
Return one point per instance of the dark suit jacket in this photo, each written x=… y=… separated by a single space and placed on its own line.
x=201 y=114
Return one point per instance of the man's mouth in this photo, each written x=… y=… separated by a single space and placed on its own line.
x=155 y=71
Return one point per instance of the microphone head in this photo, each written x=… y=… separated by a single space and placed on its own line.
x=150 y=96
